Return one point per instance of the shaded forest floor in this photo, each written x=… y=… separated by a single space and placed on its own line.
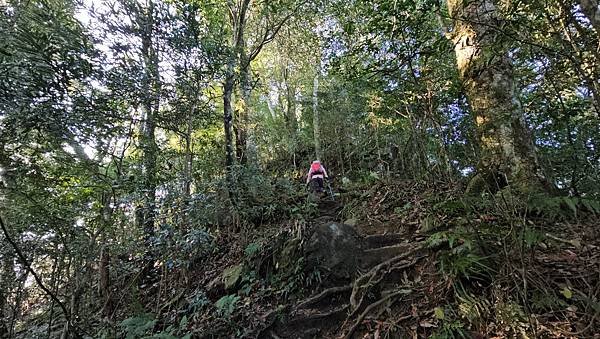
x=402 y=259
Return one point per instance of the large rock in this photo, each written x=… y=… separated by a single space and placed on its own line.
x=231 y=276
x=334 y=247
x=226 y=282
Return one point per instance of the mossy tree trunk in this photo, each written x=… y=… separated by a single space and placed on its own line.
x=507 y=153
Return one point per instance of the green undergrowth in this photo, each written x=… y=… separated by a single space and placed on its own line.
x=514 y=265
x=257 y=239
x=510 y=265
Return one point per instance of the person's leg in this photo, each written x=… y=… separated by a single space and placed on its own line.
x=320 y=182
x=314 y=185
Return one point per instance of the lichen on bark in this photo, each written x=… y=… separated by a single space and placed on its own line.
x=507 y=152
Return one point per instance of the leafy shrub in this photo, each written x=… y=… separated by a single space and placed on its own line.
x=197 y=243
x=197 y=302
x=226 y=305
x=138 y=326
x=257 y=199
x=142 y=326
x=563 y=207
x=463 y=257
x=251 y=249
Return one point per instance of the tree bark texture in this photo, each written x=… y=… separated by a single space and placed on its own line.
x=228 y=115
x=507 y=154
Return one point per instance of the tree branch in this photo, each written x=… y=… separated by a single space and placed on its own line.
x=37 y=278
x=270 y=34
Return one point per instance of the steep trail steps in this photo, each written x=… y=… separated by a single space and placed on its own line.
x=377 y=275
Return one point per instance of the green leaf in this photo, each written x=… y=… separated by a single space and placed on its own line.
x=226 y=305
x=439 y=313
x=566 y=292
x=184 y=322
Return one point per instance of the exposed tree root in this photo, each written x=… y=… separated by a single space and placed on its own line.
x=375 y=256
x=380 y=240
x=369 y=308
x=376 y=274
x=319 y=316
x=315 y=299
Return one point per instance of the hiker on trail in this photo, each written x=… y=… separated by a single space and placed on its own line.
x=316 y=173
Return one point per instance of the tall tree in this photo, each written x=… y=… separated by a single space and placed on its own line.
x=146 y=21
x=265 y=20
x=136 y=45
x=507 y=154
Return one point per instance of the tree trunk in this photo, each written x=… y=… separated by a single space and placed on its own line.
x=243 y=113
x=507 y=154
x=76 y=291
x=104 y=281
x=151 y=88
x=290 y=116
x=316 y=124
x=592 y=12
x=187 y=175
x=228 y=115
x=228 y=87
x=238 y=23
x=6 y=283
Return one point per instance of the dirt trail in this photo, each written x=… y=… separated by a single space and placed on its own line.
x=385 y=274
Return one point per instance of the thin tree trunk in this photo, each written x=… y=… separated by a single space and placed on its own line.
x=16 y=307
x=6 y=281
x=54 y=285
x=187 y=184
x=228 y=115
x=151 y=88
x=507 y=154
x=243 y=114
x=104 y=281
x=290 y=116
x=316 y=124
x=228 y=87
x=76 y=285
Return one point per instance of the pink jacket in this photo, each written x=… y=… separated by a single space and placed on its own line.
x=310 y=174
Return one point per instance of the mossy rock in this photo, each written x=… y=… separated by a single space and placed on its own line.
x=231 y=276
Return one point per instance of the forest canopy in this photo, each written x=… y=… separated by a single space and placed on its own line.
x=148 y=145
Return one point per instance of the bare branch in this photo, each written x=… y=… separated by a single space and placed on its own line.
x=37 y=278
